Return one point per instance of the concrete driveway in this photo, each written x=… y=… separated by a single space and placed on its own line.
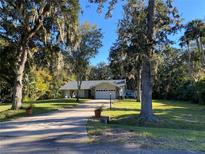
x=62 y=131
x=63 y=126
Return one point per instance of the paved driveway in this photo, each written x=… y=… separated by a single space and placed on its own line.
x=64 y=126
x=62 y=131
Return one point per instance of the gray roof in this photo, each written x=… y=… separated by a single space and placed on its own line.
x=72 y=85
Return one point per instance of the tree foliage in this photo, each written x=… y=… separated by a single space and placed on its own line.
x=143 y=30
x=28 y=24
x=88 y=47
x=101 y=71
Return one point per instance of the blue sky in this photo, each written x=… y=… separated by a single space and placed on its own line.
x=188 y=9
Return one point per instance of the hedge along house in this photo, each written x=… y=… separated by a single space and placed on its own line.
x=98 y=89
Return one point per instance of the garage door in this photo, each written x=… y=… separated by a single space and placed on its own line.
x=105 y=94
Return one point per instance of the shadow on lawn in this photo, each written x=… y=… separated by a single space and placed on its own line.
x=177 y=103
x=182 y=116
x=62 y=100
x=121 y=109
x=42 y=109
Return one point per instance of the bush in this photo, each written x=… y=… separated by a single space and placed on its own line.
x=200 y=91
x=186 y=91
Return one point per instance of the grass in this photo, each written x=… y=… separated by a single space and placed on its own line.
x=181 y=125
x=39 y=107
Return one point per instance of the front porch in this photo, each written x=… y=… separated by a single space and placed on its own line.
x=83 y=93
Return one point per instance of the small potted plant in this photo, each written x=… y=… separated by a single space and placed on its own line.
x=29 y=110
x=98 y=112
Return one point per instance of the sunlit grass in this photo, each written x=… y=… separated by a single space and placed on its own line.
x=181 y=124
x=39 y=107
x=4 y=107
x=170 y=113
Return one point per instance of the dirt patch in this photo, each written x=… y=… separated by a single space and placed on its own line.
x=122 y=136
x=118 y=135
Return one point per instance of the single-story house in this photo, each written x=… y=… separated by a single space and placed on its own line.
x=98 y=89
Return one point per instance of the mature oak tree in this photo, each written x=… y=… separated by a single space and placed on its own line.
x=22 y=22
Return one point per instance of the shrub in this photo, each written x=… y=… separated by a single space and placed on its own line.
x=200 y=91
x=187 y=91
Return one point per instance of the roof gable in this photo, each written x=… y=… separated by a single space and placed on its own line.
x=72 y=85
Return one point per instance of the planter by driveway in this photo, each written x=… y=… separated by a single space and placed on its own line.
x=64 y=126
x=60 y=132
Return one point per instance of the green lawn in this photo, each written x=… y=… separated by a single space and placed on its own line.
x=39 y=107
x=181 y=125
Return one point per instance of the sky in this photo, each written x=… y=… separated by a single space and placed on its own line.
x=188 y=10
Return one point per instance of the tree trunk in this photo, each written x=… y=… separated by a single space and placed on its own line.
x=146 y=113
x=139 y=85
x=21 y=61
x=77 y=95
x=79 y=81
x=146 y=95
x=198 y=46
x=191 y=64
x=18 y=86
x=202 y=51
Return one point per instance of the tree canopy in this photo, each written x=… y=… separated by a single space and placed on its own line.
x=28 y=24
x=41 y=41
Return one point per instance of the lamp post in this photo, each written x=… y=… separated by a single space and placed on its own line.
x=110 y=101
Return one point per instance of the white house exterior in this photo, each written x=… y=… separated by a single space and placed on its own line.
x=98 y=89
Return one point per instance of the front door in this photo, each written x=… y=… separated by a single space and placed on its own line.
x=89 y=94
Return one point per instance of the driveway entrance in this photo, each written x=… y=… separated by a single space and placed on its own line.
x=67 y=126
